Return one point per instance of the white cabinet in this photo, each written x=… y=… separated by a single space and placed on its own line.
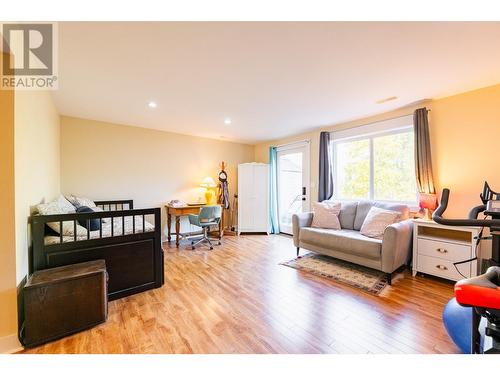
x=436 y=249
x=253 y=210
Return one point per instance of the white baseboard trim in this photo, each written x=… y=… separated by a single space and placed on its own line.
x=10 y=344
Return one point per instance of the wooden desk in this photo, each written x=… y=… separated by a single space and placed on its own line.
x=177 y=212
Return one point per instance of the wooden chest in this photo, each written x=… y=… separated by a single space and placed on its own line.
x=64 y=300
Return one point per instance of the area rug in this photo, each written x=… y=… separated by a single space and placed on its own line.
x=367 y=279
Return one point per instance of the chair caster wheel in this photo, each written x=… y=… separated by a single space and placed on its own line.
x=211 y=248
x=192 y=247
x=220 y=243
x=192 y=243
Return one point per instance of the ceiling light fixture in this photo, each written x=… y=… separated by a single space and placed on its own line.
x=386 y=99
x=152 y=105
x=227 y=121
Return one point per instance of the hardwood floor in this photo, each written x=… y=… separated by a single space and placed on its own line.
x=238 y=299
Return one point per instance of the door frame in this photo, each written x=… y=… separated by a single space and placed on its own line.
x=305 y=146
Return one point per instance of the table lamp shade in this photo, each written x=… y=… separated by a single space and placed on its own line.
x=427 y=200
x=208 y=182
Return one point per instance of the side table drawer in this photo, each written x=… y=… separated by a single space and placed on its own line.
x=443 y=250
x=442 y=268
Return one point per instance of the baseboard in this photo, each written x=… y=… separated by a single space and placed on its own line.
x=10 y=344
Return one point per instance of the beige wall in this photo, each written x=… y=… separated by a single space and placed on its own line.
x=464 y=135
x=8 y=299
x=37 y=163
x=108 y=161
x=463 y=130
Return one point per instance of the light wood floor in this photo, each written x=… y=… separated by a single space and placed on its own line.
x=238 y=299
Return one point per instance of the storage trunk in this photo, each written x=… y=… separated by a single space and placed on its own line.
x=64 y=300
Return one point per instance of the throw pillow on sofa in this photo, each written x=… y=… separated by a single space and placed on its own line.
x=376 y=221
x=326 y=215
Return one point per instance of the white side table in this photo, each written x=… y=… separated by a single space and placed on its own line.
x=436 y=247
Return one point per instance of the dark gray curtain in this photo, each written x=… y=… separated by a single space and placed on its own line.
x=423 y=160
x=325 y=188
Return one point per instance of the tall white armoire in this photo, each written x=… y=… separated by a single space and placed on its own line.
x=253 y=197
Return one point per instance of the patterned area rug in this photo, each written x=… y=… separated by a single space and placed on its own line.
x=364 y=278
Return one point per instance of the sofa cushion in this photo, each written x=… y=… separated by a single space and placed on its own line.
x=345 y=240
x=364 y=207
x=347 y=214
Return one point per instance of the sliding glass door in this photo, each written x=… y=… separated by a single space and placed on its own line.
x=293 y=183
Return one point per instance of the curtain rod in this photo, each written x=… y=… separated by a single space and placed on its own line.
x=374 y=122
x=371 y=123
x=294 y=142
x=393 y=118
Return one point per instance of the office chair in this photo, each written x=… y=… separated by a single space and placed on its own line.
x=209 y=215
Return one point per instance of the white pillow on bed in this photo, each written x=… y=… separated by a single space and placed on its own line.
x=58 y=207
x=81 y=201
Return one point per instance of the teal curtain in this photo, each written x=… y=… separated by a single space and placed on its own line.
x=274 y=226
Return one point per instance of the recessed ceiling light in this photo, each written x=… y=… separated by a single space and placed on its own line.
x=152 y=105
x=227 y=121
x=386 y=99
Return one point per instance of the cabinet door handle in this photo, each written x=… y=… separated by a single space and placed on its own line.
x=443 y=251
x=442 y=268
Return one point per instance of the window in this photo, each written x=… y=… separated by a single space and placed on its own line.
x=375 y=162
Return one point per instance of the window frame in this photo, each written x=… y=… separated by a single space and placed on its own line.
x=354 y=135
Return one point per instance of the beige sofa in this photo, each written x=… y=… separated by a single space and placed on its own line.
x=386 y=254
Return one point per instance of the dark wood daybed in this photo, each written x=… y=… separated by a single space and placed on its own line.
x=134 y=256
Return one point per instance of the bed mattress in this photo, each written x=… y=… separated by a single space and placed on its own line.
x=119 y=229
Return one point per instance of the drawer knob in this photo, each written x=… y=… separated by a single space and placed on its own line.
x=443 y=251
x=441 y=267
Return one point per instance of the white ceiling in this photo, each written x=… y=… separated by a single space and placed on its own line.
x=272 y=79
